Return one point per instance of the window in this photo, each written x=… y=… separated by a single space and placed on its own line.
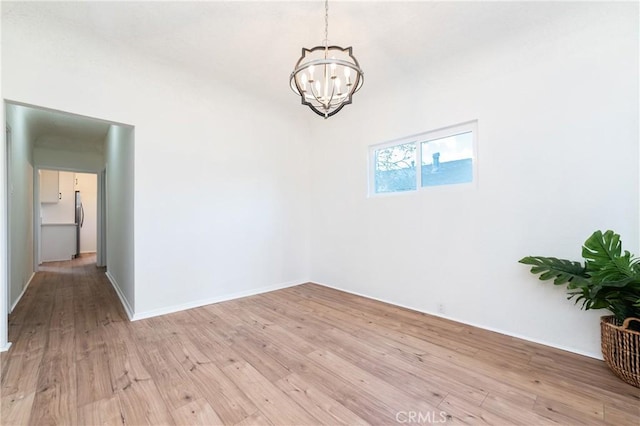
x=395 y=168
x=445 y=157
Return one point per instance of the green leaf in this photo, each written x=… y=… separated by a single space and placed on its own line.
x=604 y=260
x=610 y=278
x=560 y=270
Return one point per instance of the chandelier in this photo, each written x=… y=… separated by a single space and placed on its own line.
x=326 y=77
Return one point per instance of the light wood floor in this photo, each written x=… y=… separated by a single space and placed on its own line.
x=304 y=355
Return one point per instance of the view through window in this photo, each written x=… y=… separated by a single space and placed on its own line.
x=445 y=157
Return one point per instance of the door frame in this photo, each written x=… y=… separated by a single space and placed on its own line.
x=9 y=194
x=101 y=243
x=5 y=227
x=37 y=211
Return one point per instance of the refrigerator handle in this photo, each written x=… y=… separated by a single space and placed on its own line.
x=81 y=215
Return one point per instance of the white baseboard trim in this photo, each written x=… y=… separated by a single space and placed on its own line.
x=210 y=301
x=24 y=290
x=495 y=330
x=5 y=347
x=123 y=300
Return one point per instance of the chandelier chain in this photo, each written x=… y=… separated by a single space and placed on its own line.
x=326 y=23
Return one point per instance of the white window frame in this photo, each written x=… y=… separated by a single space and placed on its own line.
x=419 y=139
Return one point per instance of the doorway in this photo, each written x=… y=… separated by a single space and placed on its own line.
x=68 y=215
x=46 y=139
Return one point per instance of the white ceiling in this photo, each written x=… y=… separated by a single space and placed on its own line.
x=254 y=45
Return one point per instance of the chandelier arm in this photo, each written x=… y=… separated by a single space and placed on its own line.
x=315 y=96
x=333 y=92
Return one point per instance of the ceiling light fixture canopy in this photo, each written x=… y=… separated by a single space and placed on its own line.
x=326 y=77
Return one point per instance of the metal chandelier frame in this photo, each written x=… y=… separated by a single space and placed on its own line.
x=339 y=76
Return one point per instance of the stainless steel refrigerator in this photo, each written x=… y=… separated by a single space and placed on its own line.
x=79 y=221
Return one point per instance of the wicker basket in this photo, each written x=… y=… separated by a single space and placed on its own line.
x=621 y=348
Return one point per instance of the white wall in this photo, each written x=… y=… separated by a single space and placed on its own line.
x=120 y=185
x=61 y=159
x=221 y=178
x=20 y=244
x=558 y=123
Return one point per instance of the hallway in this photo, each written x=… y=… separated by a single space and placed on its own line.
x=58 y=331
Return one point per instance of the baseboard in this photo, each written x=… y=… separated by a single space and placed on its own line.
x=123 y=299
x=5 y=347
x=210 y=301
x=24 y=290
x=495 y=330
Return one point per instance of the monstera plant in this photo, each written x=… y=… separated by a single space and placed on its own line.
x=609 y=278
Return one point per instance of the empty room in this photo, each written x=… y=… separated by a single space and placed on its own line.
x=320 y=212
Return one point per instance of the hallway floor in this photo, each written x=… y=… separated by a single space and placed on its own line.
x=303 y=355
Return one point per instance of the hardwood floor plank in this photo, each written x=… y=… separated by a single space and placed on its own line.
x=139 y=398
x=86 y=307
x=565 y=414
x=333 y=384
x=55 y=400
x=186 y=352
x=459 y=412
x=421 y=382
x=230 y=403
x=16 y=408
x=63 y=313
x=515 y=413
x=615 y=416
x=449 y=366
x=254 y=354
x=105 y=411
x=378 y=388
x=176 y=388
x=197 y=412
x=256 y=419
x=33 y=335
x=21 y=375
x=93 y=379
x=325 y=409
x=271 y=401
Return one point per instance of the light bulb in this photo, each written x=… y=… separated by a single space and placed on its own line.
x=338 y=86
x=347 y=72
x=311 y=73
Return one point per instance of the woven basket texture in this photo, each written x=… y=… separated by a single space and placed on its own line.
x=621 y=348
